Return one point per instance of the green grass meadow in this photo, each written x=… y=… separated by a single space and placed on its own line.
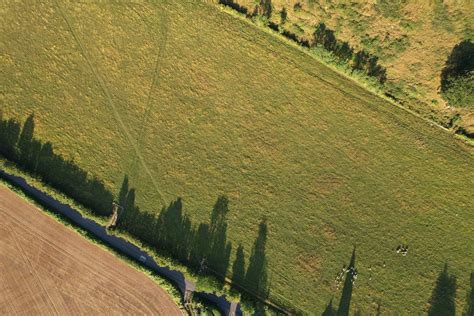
x=190 y=101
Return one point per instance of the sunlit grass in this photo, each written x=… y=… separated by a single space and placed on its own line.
x=214 y=106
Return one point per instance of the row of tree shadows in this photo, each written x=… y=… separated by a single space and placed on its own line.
x=203 y=247
x=18 y=144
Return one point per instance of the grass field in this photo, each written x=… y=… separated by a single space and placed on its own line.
x=191 y=102
x=42 y=274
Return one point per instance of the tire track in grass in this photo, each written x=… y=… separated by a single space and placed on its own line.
x=155 y=82
x=110 y=101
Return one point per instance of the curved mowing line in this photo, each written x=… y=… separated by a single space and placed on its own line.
x=37 y=234
x=109 y=100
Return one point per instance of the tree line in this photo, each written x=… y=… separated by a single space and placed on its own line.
x=359 y=61
x=324 y=37
x=204 y=247
x=457 y=76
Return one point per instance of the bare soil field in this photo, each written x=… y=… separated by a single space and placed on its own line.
x=46 y=268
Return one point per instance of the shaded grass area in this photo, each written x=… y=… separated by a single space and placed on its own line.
x=442 y=300
x=234 y=111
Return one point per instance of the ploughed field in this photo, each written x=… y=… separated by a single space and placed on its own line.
x=191 y=102
x=46 y=268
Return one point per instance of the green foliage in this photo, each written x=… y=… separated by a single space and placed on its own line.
x=361 y=61
x=459 y=92
x=373 y=44
x=399 y=45
x=457 y=77
x=204 y=247
x=234 y=5
x=201 y=307
x=283 y=16
x=325 y=37
x=263 y=8
x=453 y=122
x=460 y=62
x=297 y=7
x=165 y=284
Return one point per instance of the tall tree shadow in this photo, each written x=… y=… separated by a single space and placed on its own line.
x=238 y=267
x=256 y=277
x=254 y=281
x=220 y=249
x=469 y=311
x=9 y=133
x=204 y=246
x=329 y=310
x=345 y=302
x=171 y=231
x=442 y=302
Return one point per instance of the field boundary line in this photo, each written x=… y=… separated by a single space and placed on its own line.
x=110 y=101
x=232 y=13
x=38 y=234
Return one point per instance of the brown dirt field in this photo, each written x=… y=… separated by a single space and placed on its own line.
x=47 y=268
